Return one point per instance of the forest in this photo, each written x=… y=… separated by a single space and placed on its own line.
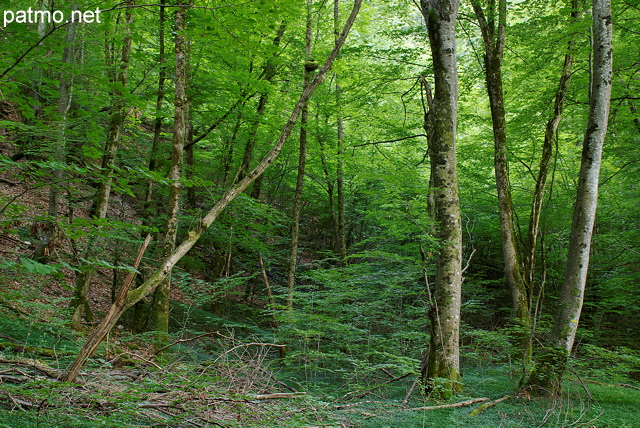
x=320 y=213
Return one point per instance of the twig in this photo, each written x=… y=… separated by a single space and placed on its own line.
x=485 y=406
x=186 y=340
x=248 y=344
x=9 y=182
x=583 y=385
x=362 y=393
x=452 y=405
x=389 y=141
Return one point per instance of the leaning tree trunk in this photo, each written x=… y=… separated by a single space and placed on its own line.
x=194 y=235
x=550 y=370
x=444 y=353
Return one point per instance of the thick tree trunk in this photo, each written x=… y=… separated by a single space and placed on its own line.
x=548 y=374
x=133 y=296
x=444 y=353
x=302 y=158
x=161 y=309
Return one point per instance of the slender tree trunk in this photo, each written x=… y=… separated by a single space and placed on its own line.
x=550 y=370
x=342 y=235
x=444 y=353
x=297 y=198
x=269 y=73
x=41 y=252
x=163 y=291
x=190 y=161
x=229 y=146
x=133 y=296
x=551 y=131
x=116 y=122
x=101 y=203
x=157 y=125
x=330 y=185
x=494 y=39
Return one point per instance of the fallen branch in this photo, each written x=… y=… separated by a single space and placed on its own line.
x=485 y=406
x=277 y=395
x=36 y=364
x=595 y=382
x=452 y=405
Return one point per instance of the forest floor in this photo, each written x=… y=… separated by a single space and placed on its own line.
x=219 y=380
x=230 y=373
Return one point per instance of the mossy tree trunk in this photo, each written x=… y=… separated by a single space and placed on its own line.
x=550 y=370
x=443 y=365
x=493 y=36
x=161 y=309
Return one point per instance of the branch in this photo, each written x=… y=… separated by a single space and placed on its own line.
x=452 y=405
x=390 y=141
x=214 y=125
x=485 y=406
x=186 y=340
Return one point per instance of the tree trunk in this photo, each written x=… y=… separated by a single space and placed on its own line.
x=444 y=353
x=548 y=374
x=494 y=40
x=342 y=236
x=297 y=198
x=269 y=73
x=157 y=125
x=161 y=309
x=133 y=296
x=41 y=252
x=101 y=203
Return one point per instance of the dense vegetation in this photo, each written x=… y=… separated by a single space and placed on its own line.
x=309 y=173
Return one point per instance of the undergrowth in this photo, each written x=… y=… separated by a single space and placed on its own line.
x=224 y=374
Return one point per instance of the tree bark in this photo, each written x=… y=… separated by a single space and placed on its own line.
x=550 y=370
x=163 y=291
x=302 y=157
x=444 y=353
x=494 y=49
x=133 y=296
